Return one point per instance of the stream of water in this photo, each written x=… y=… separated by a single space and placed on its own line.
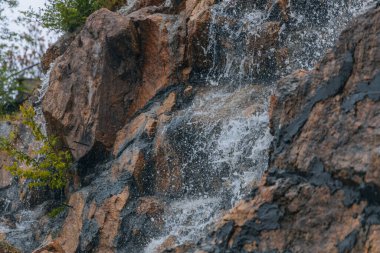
x=229 y=152
x=241 y=53
x=225 y=131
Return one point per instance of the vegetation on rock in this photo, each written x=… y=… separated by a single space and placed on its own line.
x=67 y=15
x=46 y=165
x=57 y=211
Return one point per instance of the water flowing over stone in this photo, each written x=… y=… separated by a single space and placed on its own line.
x=252 y=41
x=230 y=147
x=225 y=139
x=321 y=193
x=166 y=107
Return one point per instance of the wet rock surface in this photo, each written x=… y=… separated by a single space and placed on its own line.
x=160 y=153
x=321 y=192
x=16 y=198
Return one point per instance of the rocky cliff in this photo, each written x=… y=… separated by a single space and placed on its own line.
x=321 y=192
x=167 y=161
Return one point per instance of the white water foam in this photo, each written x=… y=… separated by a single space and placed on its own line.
x=232 y=148
x=229 y=154
x=45 y=82
x=310 y=33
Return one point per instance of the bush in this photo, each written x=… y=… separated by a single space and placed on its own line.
x=47 y=165
x=67 y=15
x=57 y=211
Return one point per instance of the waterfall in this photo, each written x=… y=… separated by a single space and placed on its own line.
x=229 y=152
x=242 y=55
x=219 y=138
x=45 y=82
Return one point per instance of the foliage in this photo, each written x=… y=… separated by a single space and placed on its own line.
x=47 y=165
x=67 y=15
x=57 y=211
x=20 y=54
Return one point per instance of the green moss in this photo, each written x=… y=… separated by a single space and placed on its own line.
x=56 y=211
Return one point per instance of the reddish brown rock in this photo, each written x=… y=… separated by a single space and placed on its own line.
x=199 y=16
x=372 y=244
x=151 y=206
x=151 y=127
x=168 y=104
x=68 y=238
x=115 y=66
x=330 y=114
x=56 y=50
x=168 y=168
x=134 y=162
x=322 y=191
x=52 y=247
x=106 y=215
x=108 y=219
x=292 y=221
x=92 y=83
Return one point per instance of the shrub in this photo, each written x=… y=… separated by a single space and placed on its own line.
x=67 y=15
x=57 y=211
x=47 y=165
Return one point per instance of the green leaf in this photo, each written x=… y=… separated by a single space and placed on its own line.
x=44 y=166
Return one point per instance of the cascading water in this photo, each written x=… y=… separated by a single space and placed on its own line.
x=250 y=41
x=228 y=151
x=223 y=136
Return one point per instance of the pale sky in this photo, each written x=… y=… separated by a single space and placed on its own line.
x=24 y=5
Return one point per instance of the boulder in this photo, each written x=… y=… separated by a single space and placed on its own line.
x=115 y=66
x=92 y=83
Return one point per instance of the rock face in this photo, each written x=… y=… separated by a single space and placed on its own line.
x=5 y=176
x=115 y=65
x=321 y=192
x=126 y=96
x=16 y=198
x=119 y=62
